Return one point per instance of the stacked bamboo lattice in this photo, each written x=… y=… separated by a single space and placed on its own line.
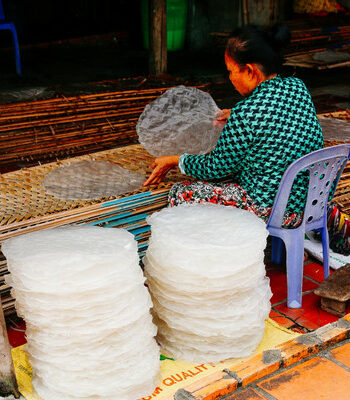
x=48 y=130
x=306 y=42
x=8 y=302
x=342 y=194
x=314 y=40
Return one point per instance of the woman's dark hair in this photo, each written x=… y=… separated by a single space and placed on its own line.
x=254 y=44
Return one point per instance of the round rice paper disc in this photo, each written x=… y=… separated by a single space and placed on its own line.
x=89 y=180
x=179 y=121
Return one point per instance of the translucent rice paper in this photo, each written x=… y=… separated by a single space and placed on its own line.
x=179 y=121
x=88 y=180
x=89 y=329
x=205 y=271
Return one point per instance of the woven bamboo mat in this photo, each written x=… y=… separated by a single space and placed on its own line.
x=24 y=201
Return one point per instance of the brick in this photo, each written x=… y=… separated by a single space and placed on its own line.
x=314 y=379
x=334 y=335
x=247 y=394
x=311 y=343
x=256 y=367
x=342 y=354
x=223 y=383
x=212 y=387
x=293 y=351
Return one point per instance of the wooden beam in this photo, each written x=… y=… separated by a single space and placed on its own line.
x=158 y=37
x=8 y=383
x=245 y=12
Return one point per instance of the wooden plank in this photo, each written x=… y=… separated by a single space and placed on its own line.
x=8 y=383
x=158 y=37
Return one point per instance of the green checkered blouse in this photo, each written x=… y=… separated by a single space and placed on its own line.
x=264 y=134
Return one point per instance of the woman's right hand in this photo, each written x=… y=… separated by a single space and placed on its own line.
x=222 y=117
x=161 y=166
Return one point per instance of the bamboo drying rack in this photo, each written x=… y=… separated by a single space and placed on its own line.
x=64 y=127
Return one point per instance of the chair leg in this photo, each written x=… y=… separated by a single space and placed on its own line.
x=17 y=53
x=295 y=266
x=325 y=247
x=277 y=250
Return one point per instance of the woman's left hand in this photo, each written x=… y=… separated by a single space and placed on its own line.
x=222 y=117
x=161 y=166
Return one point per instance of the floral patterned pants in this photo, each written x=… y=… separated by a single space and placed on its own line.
x=227 y=194
x=231 y=194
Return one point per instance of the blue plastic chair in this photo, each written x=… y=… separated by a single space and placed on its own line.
x=11 y=27
x=325 y=167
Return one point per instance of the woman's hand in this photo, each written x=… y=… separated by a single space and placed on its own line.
x=222 y=117
x=161 y=166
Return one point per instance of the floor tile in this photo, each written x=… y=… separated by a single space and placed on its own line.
x=248 y=394
x=280 y=319
x=314 y=379
x=342 y=354
x=278 y=282
x=314 y=271
x=310 y=315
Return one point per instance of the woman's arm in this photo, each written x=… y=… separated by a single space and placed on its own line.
x=225 y=159
x=227 y=156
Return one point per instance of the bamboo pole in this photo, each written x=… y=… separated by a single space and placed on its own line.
x=245 y=12
x=8 y=383
x=158 y=37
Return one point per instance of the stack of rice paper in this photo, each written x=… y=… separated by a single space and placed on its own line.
x=205 y=270
x=89 y=328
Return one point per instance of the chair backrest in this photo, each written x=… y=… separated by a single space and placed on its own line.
x=325 y=167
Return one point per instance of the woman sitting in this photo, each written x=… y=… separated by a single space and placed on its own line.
x=273 y=126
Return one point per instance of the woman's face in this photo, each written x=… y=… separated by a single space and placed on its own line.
x=240 y=77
